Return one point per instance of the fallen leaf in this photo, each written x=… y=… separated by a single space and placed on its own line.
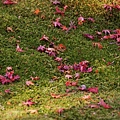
x=35 y=78
x=9 y=29
x=103 y=104
x=9 y=2
x=28 y=83
x=44 y=37
x=55 y=95
x=7 y=91
x=68 y=76
x=28 y=102
x=93 y=106
x=55 y=2
x=97 y=44
x=86 y=97
x=18 y=49
x=89 y=36
x=58 y=11
x=37 y=11
x=93 y=89
x=60 y=110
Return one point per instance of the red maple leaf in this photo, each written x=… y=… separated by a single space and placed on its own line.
x=93 y=89
x=9 y=2
x=103 y=104
x=28 y=102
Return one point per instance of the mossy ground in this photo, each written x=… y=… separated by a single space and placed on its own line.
x=28 y=29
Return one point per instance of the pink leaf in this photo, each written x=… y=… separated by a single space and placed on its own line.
x=60 y=110
x=58 y=11
x=93 y=106
x=18 y=49
x=77 y=75
x=28 y=83
x=93 y=89
x=103 y=104
x=55 y=95
x=58 y=59
x=118 y=40
x=44 y=37
x=7 y=91
x=90 y=19
x=89 y=36
x=28 y=102
x=55 y=2
x=57 y=23
x=9 y=2
x=68 y=76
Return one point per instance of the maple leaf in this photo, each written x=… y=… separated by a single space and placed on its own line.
x=41 y=48
x=107 y=32
x=90 y=19
x=68 y=76
x=71 y=26
x=103 y=104
x=93 y=106
x=18 y=49
x=98 y=45
x=86 y=97
x=57 y=23
x=60 y=47
x=64 y=28
x=9 y=29
x=28 y=83
x=44 y=37
x=55 y=95
x=7 y=91
x=82 y=87
x=108 y=7
x=4 y=80
x=81 y=20
x=60 y=110
x=89 y=36
x=118 y=40
x=58 y=59
x=9 y=2
x=35 y=78
x=55 y=2
x=28 y=102
x=37 y=11
x=58 y=11
x=77 y=75
x=93 y=89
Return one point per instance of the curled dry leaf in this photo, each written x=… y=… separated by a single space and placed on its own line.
x=93 y=106
x=18 y=49
x=97 y=44
x=32 y=111
x=35 y=78
x=28 y=83
x=9 y=29
x=55 y=95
